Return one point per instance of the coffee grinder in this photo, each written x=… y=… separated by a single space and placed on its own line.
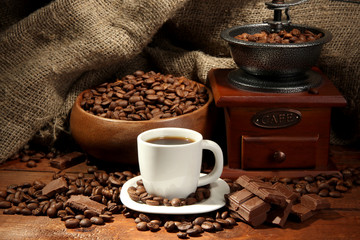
x=277 y=105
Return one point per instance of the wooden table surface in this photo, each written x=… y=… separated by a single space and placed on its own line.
x=341 y=221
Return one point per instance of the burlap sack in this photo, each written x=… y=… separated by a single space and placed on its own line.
x=52 y=54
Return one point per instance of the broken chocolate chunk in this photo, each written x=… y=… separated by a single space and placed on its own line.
x=67 y=160
x=301 y=212
x=82 y=203
x=314 y=202
x=278 y=215
x=57 y=185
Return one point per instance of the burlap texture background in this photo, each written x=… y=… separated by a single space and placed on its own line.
x=49 y=55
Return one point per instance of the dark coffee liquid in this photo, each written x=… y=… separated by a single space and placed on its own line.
x=170 y=140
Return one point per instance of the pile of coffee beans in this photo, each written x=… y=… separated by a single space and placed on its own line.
x=185 y=226
x=325 y=185
x=139 y=194
x=294 y=36
x=31 y=157
x=145 y=96
x=27 y=198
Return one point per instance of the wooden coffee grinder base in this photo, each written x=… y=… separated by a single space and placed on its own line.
x=275 y=131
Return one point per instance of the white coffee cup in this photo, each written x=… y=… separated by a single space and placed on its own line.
x=173 y=171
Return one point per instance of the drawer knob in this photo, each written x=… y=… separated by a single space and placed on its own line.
x=279 y=156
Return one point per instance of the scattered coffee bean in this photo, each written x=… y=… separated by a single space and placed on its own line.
x=72 y=223
x=85 y=222
x=5 y=204
x=170 y=226
x=335 y=194
x=182 y=235
x=31 y=164
x=97 y=220
x=9 y=211
x=142 y=226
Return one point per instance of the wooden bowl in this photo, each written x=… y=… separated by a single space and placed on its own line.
x=113 y=140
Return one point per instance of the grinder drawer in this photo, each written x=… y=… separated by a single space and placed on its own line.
x=278 y=152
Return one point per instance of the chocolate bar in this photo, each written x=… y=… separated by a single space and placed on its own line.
x=82 y=203
x=67 y=160
x=57 y=185
x=314 y=202
x=301 y=212
x=263 y=190
x=248 y=207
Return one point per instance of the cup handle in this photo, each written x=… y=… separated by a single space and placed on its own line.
x=219 y=163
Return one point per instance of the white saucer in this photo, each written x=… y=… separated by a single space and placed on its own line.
x=214 y=202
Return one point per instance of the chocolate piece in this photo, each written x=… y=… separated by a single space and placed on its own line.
x=236 y=198
x=301 y=212
x=286 y=191
x=279 y=215
x=314 y=202
x=248 y=207
x=262 y=189
x=255 y=221
x=67 y=160
x=57 y=185
x=82 y=203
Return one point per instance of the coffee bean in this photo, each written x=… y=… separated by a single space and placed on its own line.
x=5 y=204
x=142 y=226
x=31 y=164
x=72 y=223
x=106 y=217
x=79 y=216
x=207 y=226
x=9 y=211
x=3 y=193
x=153 y=226
x=144 y=217
x=37 y=212
x=85 y=222
x=32 y=206
x=192 y=232
x=199 y=220
x=335 y=194
x=217 y=226
x=324 y=192
x=182 y=235
x=231 y=221
x=169 y=226
x=175 y=202
x=190 y=201
x=97 y=220
x=223 y=222
x=152 y=202
x=61 y=213
x=26 y=211
x=52 y=212
x=66 y=217
x=184 y=226
x=225 y=214
x=341 y=188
